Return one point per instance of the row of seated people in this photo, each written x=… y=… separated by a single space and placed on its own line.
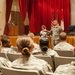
x=26 y=46
x=63 y=45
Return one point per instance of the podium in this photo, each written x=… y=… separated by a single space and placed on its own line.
x=13 y=30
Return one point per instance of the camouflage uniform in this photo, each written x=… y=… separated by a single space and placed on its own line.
x=66 y=69
x=64 y=46
x=49 y=52
x=32 y=63
x=55 y=34
x=4 y=62
x=36 y=49
x=8 y=50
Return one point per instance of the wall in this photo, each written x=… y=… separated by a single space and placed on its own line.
x=15 y=15
x=72 y=12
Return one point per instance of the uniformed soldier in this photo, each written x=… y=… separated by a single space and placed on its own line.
x=4 y=62
x=56 y=30
x=36 y=48
x=63 y=45
x=28 y=61
x=6 y=45
x=65 y=69
x=44 y=43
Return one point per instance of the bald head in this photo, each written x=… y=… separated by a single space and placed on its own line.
x=63 y=36
x=31 y=35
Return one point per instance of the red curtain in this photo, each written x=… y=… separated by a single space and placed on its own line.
x=8 y=10
x=43 y=11
x=23 y=4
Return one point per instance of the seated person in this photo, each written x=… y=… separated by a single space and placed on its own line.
x=27 y=61
x=66 y=69
x=63 y=45
x=44 y=43
x=4 y=62
x=36 y=46
x=6 y=45
x=0 y=45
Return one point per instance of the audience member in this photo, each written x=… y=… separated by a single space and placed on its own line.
x=28 y=61
x=36 y=46
x=66 y=69
x=44 y=43
x=4 y=62
x=0 y=45
x=5 y=41
x=55 y=30
x=63 y=45
x=6 y=45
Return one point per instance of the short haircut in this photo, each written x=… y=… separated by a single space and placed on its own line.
x=44 y=42
x=4 y=39
x=63 y=36
x=31 y=35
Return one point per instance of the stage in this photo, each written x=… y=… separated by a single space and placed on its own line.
x=70 y=39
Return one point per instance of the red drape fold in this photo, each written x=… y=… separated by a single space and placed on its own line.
x=8 y=10
x=42 y=11
x=23 y=5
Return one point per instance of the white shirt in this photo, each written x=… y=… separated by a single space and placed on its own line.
x=43 y=34
x=63 y=46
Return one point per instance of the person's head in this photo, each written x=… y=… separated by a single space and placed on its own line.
x=0 y=45
x=63 y=36
x=43 y=27
x=44 y=42
x=25 y=45
x=5 y=41
x=31 y=35
x=55 y=22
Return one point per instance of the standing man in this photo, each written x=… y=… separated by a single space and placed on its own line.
x=56 y=30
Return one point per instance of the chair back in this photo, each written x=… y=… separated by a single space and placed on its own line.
x=12 y=57
x=4 y=55
x=65 y=53
x=11 y=71
x=48 y=59
x=49 y=73
x=63 y=60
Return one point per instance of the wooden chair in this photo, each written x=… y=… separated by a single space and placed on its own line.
x=65 y=53
x=11 y=71
x=63 y=60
